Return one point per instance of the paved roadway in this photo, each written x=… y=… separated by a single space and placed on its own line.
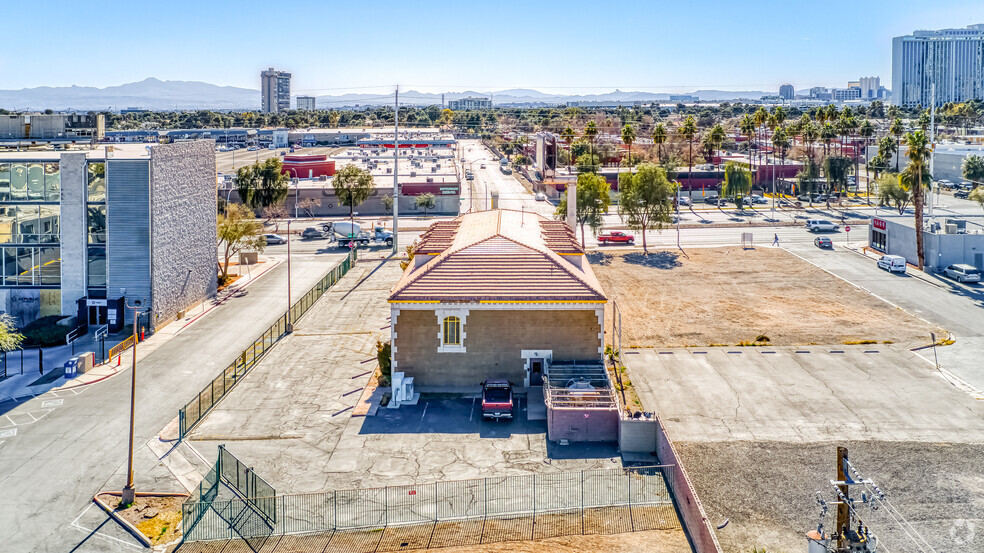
x=512 y=195
x=65 y=451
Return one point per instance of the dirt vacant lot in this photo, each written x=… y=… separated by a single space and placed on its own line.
x=729 y=295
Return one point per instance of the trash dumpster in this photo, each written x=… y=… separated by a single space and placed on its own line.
x=72 y=367
x=87 y=361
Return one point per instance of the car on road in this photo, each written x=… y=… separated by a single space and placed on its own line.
x=482 y=166
x=944 y=184
x=807 y=198
x=892 y=263
x=274 y=239
x=820 y=198
x=819 y=225
x=758 y=200
x=312 y=233
x=961 y=194
x=823 y=242
x=963 y=273
x=540 y=197
x=684 y=200
x=497 y=399
x=617 y=237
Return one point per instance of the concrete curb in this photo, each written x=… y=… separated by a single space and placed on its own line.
x=125 y=523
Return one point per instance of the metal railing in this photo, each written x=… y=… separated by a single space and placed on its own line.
x=247 y=484
x=120 y=347
x=193 y=412
x=591 y=499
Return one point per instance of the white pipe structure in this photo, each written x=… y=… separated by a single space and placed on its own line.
x=396 y=172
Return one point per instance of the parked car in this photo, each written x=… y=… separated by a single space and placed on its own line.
x=944 y=184
x=823 y=242
x=892 y=263
x=684 y=200
x=711 y=199
x=758 y=200
x=820 y=198
x=821 y=226
x=497 y=399
x=963 y=273
x=616 y=237
x=806 y=198
x=482 y=166
x=274 y=239
x=312 y=233
x=961 y=194
x=540 y=197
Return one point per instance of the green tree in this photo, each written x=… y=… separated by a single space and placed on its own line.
x=590 y=132
x=333 y=119
x=806 y=178
x=836 y=169
x=568 y=136
x=977 y=195
x=353 y=186
x=973 y=169
x=688 y=130
x=747 y=127
x=892 y=192
x=918 y=154
x=262 y=184
x=717 y=137
x=646 y=199
x=425 y=201
x=827 y=134
x=10 y=339
x=737 y=183
x=659 y=138
x=238 y=231
x=628 y=137
x=588 y=163
x=866 y=131
x=387 y=200
x=897 y=130
x=923 y=120
x=781 y=142
x=593 y=199
x=886 y=149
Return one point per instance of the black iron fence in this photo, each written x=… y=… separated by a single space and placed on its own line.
x=196 y=409
x=586 y=502
x=247 y=484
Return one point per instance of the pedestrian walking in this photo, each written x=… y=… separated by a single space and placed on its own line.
x=775 y=239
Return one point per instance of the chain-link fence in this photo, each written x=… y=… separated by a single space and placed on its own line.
x=196 y=409
x=590 y=501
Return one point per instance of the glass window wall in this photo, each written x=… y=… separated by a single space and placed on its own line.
x=97 y=266
x=97 y=182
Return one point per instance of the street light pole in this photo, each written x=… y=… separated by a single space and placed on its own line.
x=129 y=493
x=290 y=323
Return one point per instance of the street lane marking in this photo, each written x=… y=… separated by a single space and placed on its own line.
x=9 y=433
x=52 y=403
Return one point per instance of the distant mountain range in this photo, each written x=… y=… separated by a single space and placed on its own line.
x=155 y=94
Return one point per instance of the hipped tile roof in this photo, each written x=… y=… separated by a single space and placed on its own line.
x=499 y=256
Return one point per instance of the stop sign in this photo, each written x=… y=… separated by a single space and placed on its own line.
x=847 y=229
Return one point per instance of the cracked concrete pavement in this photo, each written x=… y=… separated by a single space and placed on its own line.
x=291 y=418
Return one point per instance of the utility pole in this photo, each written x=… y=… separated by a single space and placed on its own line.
x=843 y=506
x=129 y=493
x=932 y=148
x=396 y=172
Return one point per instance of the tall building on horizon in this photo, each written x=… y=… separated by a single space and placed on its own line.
x=787 y=92
x=952 y=59
x=305 y=103
x=274 y=91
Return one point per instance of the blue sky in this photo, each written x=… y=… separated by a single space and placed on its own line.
x=572 y=46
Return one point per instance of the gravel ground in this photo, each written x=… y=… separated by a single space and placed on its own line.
x=729 y=295
x=767 y=490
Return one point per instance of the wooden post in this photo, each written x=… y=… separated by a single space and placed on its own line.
x=843 y=509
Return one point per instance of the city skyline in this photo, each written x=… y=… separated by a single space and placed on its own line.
x=751 y=46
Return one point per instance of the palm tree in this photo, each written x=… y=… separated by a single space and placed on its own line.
x=568 y=136
x=923 y=120
x=973 y=169
x=810 y=135
x=827 y=134
x=887 y=149
x=918 y=154
x=717 y=136
x=659 y=138
x=896 y=130
x=760 y=117
x=780 y=114
x=628 y=137
x=590 y=132
x=780 y=141
x=747 y=128
x=866 y=131
x=689 y=131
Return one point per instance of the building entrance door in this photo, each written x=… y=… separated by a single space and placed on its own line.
x=536 y=372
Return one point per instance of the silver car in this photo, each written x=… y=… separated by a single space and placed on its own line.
x=963 y=273
x=274 y=239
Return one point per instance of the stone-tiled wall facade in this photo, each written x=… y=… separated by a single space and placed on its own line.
x=493 y=342
x=183 y=232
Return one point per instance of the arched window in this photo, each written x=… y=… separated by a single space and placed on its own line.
x=452 y=331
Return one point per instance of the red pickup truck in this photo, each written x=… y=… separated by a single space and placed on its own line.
x=616 y=237
x=497 y=399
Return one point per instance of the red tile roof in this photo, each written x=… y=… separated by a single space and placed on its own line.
x=499 y=256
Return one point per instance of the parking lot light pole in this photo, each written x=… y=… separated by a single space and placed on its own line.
x=129 y=493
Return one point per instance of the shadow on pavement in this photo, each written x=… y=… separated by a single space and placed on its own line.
x=659 y=260
x=436 y=415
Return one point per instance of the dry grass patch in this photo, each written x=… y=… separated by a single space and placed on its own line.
x=731 y=296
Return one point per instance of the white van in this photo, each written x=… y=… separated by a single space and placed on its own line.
x=892 y=263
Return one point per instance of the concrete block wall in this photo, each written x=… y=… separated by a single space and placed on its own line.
x=184 y=259
x=493 y=342
x=637 y=436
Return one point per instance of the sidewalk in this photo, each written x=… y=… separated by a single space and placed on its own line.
x=24 y=386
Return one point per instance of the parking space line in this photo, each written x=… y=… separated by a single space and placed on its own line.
x=471 y=413
x=422 y=415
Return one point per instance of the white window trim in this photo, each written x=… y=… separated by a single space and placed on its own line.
x=462 y=314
